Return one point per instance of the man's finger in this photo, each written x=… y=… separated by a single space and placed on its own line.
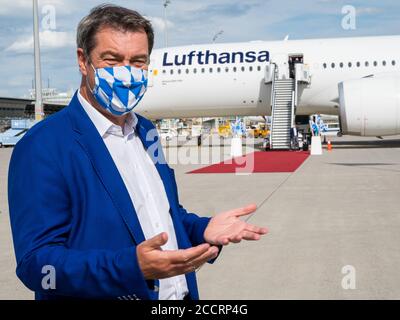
x=192 y=265
x=244 y=211
x=157 y=241
x=256 y=229
x=247 y=235
x=185 y=255
x=211 y=253
x=236 y=238
x=222 y=240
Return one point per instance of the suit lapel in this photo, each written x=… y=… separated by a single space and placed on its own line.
x=153 y=147
x=91 y=141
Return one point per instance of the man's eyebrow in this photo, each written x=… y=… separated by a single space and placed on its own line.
x=140 y=56
x=111 y=53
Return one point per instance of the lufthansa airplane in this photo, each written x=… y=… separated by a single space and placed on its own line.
x=355 y=78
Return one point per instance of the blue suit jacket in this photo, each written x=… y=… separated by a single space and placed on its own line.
x=69 y=208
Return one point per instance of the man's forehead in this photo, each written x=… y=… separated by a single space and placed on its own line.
x=114 y=40
x=116 y=31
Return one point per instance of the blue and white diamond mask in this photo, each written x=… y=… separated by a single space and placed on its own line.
x=119 y=89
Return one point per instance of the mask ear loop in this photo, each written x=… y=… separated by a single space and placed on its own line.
x=92 y=91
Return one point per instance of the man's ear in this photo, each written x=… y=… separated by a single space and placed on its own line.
x=82 y=61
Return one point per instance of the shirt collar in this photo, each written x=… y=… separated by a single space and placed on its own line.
x=102 y=124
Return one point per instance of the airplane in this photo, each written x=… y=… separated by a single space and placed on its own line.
x=356 y=78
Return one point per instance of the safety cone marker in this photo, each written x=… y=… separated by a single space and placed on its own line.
x=329 y=146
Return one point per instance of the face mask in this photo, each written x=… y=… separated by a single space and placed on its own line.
x=119 y=89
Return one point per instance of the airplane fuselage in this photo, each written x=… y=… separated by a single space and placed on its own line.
x=229 y=79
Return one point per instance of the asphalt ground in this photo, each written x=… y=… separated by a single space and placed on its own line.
x=333 y=224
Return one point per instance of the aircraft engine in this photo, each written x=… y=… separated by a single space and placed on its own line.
x=370 y=106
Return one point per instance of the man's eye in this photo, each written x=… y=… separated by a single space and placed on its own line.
x=110 y=60
x=139 y=63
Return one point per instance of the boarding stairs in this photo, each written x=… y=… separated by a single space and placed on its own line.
x=282 y=113
x=284 y=94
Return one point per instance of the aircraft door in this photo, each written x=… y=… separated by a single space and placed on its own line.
x=281 y=60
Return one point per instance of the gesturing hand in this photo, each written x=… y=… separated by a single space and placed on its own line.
x=226 y=227
x=158 y=264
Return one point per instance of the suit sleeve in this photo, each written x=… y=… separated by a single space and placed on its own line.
x=40 y=214
x=195 y=226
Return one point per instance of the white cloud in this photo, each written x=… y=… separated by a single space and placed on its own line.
x=159 y=23
x=368 y=10
x=24 y=7
x=15 y=6
x=48 y=40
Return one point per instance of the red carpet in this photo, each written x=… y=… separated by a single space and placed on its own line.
x=273 y=161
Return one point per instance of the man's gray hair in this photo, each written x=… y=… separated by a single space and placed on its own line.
x=108 y=15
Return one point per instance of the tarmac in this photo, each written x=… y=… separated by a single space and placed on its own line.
x=333 y=225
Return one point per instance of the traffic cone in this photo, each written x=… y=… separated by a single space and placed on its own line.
x=329 y=146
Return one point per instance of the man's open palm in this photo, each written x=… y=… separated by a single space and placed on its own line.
x=227 y=227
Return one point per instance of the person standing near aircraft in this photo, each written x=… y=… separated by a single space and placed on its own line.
x=96 y=204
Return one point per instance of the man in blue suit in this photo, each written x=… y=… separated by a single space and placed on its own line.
x=93 y=205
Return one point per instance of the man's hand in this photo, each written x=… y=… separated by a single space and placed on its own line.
x=226 y=227
x=158 y=264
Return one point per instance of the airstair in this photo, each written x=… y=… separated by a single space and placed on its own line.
x=286 y=79
x=282 y=112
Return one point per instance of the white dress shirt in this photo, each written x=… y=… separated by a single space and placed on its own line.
x=144 y=185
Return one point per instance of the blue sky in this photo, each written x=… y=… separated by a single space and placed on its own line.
x=189 y=22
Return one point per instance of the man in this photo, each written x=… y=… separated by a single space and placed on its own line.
x=88 y=205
